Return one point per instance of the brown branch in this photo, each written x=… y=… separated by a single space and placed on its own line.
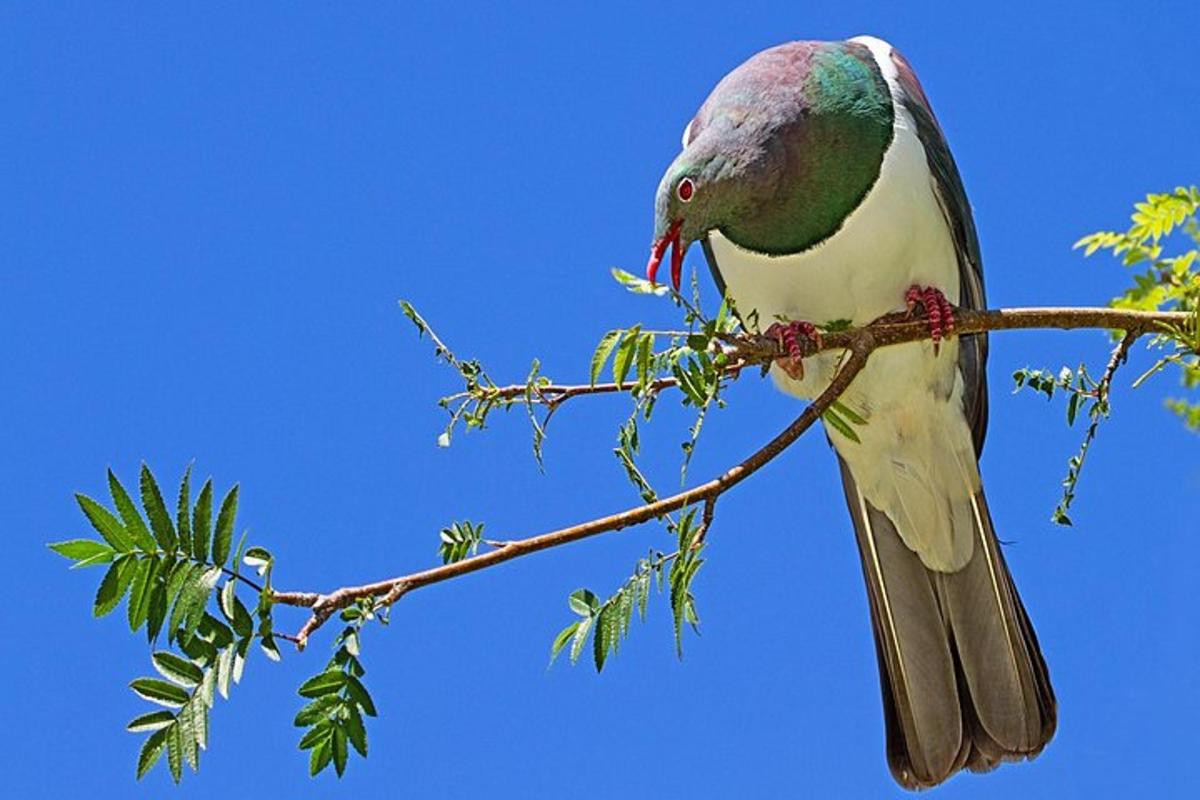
x=858 y=343
x=749 y=350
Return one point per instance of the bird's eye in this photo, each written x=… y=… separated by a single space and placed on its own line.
x=685 y=190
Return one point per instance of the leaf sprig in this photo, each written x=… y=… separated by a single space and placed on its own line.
x=167 y=571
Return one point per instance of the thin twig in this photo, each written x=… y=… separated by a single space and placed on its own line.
x=859 y=343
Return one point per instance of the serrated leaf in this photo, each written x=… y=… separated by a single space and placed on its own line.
x=623 y=360
x=156 y=510
x=358 y=693
x=223 y=535
x=322 y=754
x=227 y=597
x=135 y=526
x=105 y=523
x=322 y=684
x=225 y=671
x=202 y=521
x=151 y=750
x=356 y=731
x=141 y=588
x=580 y=638
x=155 y=720
x=158 y=691
x=174 y=753
x=561 y=640
x=83 y=550
x=183 y=512
x=315 y=711
x=602 y=352
x=340 y=752
x=113 y=585
x=179 y=670
x=314 y=736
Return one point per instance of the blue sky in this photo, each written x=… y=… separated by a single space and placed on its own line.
x=207 y=219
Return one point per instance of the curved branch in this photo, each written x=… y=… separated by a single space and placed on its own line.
x=858 y=344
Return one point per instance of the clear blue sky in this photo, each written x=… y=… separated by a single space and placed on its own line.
x=207 y=218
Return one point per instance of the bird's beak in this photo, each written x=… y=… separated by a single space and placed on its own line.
x=659 y=249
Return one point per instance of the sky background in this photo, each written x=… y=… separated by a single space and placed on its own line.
x=207 y=218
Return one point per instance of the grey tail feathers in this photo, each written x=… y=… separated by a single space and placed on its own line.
x=964 y=683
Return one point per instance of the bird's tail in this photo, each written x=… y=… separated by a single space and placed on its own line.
x=964 y=683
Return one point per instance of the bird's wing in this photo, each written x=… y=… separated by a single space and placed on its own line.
x=948 y=187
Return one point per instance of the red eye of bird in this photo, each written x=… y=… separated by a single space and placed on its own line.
x=685 y=190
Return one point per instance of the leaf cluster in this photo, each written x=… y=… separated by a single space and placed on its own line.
x=607 y=623
x=1163 y=242
x=167 y=569
x=1083 y=392
x=339 y=699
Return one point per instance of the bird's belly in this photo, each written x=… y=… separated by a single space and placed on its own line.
x=915 y=457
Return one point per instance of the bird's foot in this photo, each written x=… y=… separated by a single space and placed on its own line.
x=938 y=311
x=788 y=334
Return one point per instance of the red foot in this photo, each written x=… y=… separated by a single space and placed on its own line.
x=788 y=335
x=938 y=311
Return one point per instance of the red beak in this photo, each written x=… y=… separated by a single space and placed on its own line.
x=659 y=249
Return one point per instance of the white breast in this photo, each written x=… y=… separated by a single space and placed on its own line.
x=916 y=462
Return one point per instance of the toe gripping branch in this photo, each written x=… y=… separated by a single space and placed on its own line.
x=938 y=311
x=788 y=334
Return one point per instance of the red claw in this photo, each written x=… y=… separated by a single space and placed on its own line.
x=938 y=311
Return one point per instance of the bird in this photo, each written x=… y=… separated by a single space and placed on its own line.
x=821 y=188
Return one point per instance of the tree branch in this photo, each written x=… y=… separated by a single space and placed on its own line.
x=858 y=344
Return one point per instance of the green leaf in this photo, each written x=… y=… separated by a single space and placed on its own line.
x=161 y=692
x=84 y=551
x=156 y=510
x=269 y=648
x=183 y=512
x=202 y=521
x=340 y=752
x=639 y=285
x=358 y=693
x=321 y=755
x=580 y=639
x=179 y=670
x=156 y=612
x=847 y=412
x=140 y=590
x=223 y=536
x=135 y=526
x=105 y=523
x=225 y=671
x=561 y=640
x=151 y=749
x=840 y=425
x=625 y=354
x=113 y=585
x=257 y=558
x=316 y=710
x=583 y=602
x=319 y=732
x=323 y=683
x=155 y=720
x=356 y=730
x=175 y=752
x=600 y=356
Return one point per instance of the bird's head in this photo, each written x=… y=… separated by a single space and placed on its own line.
x=710 y=183
x=782 y=151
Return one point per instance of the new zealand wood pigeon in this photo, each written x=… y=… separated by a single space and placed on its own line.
x=821 y=188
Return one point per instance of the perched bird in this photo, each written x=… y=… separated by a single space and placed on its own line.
x=821 y=188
